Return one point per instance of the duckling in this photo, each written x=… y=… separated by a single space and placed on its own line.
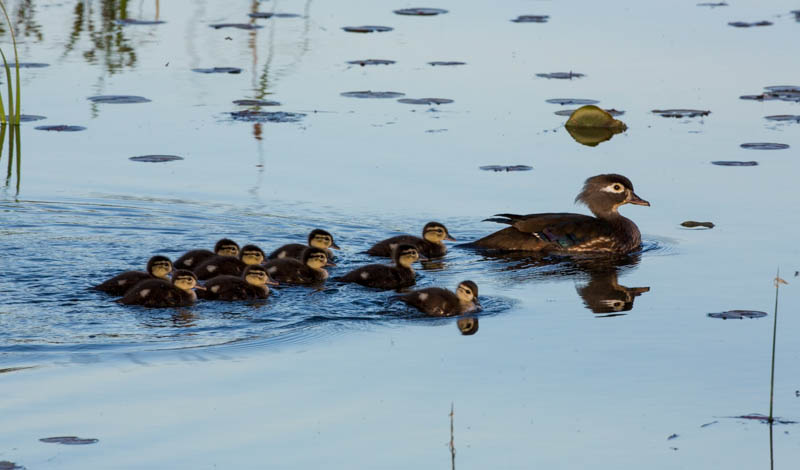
x=229 y=265
x=381 y=276
x=308 y=271
x=192 y=259
x=318 y=238
x=607 y=232
x=442 y=302
x=158 y=293
x=252 y=285
x=430 y=245
x=158 y=267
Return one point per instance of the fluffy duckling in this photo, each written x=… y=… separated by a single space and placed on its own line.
x=229 y=265
x=308 y=271
x=193 y=259
x=158 y=267
x=252 y=285
x=318 y=238
x=442 y=302
x=431 y=245
x=606 y=232
x=158 y=293
x=381 y=276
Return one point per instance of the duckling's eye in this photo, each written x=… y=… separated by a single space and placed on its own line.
x=617 y=187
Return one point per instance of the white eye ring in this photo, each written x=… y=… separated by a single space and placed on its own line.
x=614 y=188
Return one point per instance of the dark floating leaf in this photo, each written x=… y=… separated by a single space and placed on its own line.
x=737 y=314
x=763 y=146
x=783 y=89
x=436 y=101
x=744 y=24
x=367 y=29
x=256 y=103
x=156 y=158
x=506 y=168
x=789 y=93
x=132 y=22
x=679 y=113
x=264 y=116
x=286 y=15
x=531 y=19
x=733 y=163
x=61 y=128
x=371 y=62
x=261 y=14
x=6 y=465
x=372 y=94
x=563 y=101
x=246 y=26
x=694 y=224
x=69 y=440
x=26 y=118
x=446 y=63
x=31 y=65
x=118 y=99
x=783 y=118
x=233 y=70
x=765 y=419
x=708 y=424
x=672 y=436
x=561 y=75
x=568 y=112
x=421 y=11
x=712 y=5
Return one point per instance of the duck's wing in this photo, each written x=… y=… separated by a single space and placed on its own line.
x=545 y=232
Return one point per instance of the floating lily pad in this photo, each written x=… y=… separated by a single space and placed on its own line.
x=367 y=29
x=61 y=128
x=436 y=101
x=789 y=93
x=783 y=88
x=261 y=14
x=694 y=224
x=69 y=440
x=256 y=103
x=246 y=26
x=132 y=22
x=744 y=24
x=6 y=465
x=764 y=146
x=681 y=113
x=421 y=11
x=733 y=163
x=26 y=118
x=712 y=5
x=286 y=15
x=233 y=70
x=783 y=118
x=564 y=101
x=738 y=314
x=765 y=419
x=31 y=65
x=155 y=158
x=561 y=75
x=506 y=168
x=568 y=112
x=446 y=63
x=264 y=116
x=371 y=62
x=118 y=99
x=372 y=94
x=531 y=19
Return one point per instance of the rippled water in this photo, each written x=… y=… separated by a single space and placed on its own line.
x=609 y=358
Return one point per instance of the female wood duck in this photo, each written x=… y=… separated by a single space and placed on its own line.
x=308 y=271
x=318 y=238
x=158 y=293
x=430 y=245
x=193 y=259
x=381 y=276
x=607 y=232
x=158 y=267
x=229 y=265
x=442 y=302
x=252 y=285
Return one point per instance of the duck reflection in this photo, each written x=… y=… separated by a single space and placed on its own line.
x=468 y=325
x=604 y=295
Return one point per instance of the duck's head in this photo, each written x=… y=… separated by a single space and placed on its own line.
x=603 y=194
x=436 y=232
x=316 y=258
x=226 y=247
x=319 y=238
x=159 y=266
x=467 y=292
x=184 y=279
x=252 y=254
x=256 y=275
x=405 y=255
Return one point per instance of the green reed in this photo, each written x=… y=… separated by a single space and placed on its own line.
x=778 y=282
x=14 y=111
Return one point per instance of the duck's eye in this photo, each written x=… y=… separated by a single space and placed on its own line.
x=617 y=187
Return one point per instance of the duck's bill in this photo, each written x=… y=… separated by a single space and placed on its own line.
x=335 y=246
x=270 y=282
x=634 y=199
x=451 y=238
x=331 y=265
x=199 y=287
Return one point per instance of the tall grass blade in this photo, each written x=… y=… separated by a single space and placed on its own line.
x=778 y=282
x=16 y=62
x=8 y=82
x=19 y=157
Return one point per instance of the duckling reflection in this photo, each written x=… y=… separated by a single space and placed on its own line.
x=468 y=326
x=603 y=294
